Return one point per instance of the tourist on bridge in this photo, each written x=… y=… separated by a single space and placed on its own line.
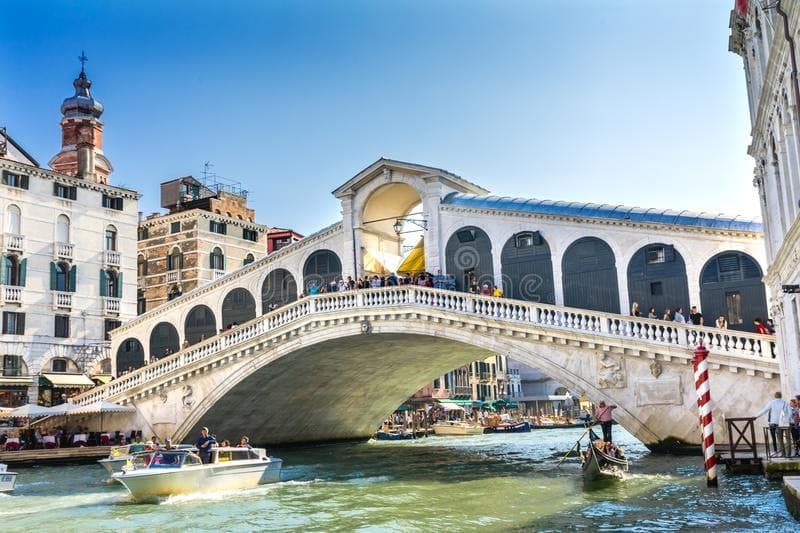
x=204 y=444
x=651 y=313
x=759 y=327
x=778 y=414
x=667 y=314
x=794 y=424
x=603 y=415
x=635 y=310
x=696 y=316
x=679 y=315
x=722 y=322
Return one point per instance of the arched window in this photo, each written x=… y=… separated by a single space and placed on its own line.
x=217 y=259
x=58 y=365
x=248 y=259
x=62 y=229
x=141 y=266
x=110 y=283
x=175 y=259
x=111 y=238
x=14 y=220
x=62 y=280
x=10 y=270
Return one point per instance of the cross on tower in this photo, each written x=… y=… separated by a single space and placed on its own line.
x=83 y=59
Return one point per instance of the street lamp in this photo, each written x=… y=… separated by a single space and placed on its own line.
x=419 y=222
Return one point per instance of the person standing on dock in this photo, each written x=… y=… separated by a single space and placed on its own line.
x=779 y=414
x=603 y=415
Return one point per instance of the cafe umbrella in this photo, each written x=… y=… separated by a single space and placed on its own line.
x=101 y=407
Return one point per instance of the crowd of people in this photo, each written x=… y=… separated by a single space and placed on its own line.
x=783 y=414
x=696 y=318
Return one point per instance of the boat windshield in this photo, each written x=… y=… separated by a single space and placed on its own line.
x=234 y=454
x=164 y=459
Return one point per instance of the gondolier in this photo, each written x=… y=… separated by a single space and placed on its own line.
x=603 y=415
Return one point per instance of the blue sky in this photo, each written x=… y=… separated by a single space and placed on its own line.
x=613 y=101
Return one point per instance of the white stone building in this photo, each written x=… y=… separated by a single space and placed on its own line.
x=759 y=35
x=69 y=260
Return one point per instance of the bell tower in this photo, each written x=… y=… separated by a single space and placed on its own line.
x=81 y=152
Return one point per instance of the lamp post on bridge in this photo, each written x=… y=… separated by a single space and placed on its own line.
x=701 y=385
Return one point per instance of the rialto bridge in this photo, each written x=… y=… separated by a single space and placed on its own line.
x=331 y=366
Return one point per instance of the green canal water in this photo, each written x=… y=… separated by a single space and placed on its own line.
x=487 y=483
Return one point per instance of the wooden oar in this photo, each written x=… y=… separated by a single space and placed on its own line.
x=573 y=446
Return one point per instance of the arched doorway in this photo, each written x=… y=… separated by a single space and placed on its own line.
x=164 y=341
x=130 y=355
x=731 y=286
x=657 y=278
x=527 y=268
x=279 y=288
x=469 y=254
x=322 y=267
x=590 y=276
x=200 y=325
x=238 y=307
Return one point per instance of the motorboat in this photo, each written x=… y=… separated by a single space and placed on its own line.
x=512 y=426
x=119 y=456
x=602 y=460
x=394 y=435
x=7 y=479
x=166 y=472
x=457 y=427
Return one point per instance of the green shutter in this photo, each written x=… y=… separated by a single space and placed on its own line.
x=23 y=267
x=73 y=277
x=53 y=268
x=211 y=260
x=3 y=270
x=119 y=285
x=103 y=283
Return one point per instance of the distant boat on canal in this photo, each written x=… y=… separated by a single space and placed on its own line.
x=7 y=479
x=457 y=427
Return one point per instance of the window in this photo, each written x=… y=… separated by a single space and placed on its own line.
x=280 y=243
x=15 y=180
x=656 y=254
x=111 y=202
x=141 y=303
x=217 y=259
x=13 y=220
x=105 y=366
x=12 y=365
x=143 y=233
x=109 y=326
x=656 y=288
x=62 y=326
x=65 y=191
x=175 y=260
x=466 y=235
x=111 y=238
x=733 y=307
x=141 y=266
x=249 y=259
x=62 y=229
x=12 y=271
x=111 y=283
x=250 y=235
x=217 y=227
x=13 y=323
x=58 y=365
x=175 y=227
x=62 y=277
x=524 y=240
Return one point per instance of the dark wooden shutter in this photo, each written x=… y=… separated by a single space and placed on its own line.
x=20 y=322
x=103 y=283
x=23 y=181
x=73 y=193
x=73 y=276
x=53 y=270
x=23 y=267
x=119 y=285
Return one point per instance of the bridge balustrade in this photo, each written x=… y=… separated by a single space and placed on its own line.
x=727 y=342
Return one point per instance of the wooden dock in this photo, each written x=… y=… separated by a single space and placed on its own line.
x=55 y=456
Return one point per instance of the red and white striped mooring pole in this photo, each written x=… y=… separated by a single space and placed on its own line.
x=704 y=404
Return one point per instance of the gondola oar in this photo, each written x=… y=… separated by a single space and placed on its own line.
x=588 y=427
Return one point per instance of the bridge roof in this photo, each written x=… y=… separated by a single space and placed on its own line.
x=604 y=211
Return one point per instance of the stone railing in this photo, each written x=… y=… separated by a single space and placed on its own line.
x=62 y=300
x=63 y=250
x=110 y=305
x=746 y=346
x=173 y=276
x=11 y=294
x=112 y=258
x=217 y=274
x=13 y=243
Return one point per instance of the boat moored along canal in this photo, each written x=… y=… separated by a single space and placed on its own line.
x=7 y=479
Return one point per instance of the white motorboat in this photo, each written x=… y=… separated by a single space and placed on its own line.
x=119 y=456
x=179 y=471
x=457 y=427
x=7 y=479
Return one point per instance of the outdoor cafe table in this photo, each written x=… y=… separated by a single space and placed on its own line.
x=79 y=437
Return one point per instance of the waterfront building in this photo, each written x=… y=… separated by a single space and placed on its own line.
x=68 y=259
x=207 y=232
x=277 y=238
x=766 y=35
x=480 y=382
x=538 y=393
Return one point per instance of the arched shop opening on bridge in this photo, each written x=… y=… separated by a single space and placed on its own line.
x=657 y=278
x=590 y=276
x=164 y=341
x=238 y=307
x=200 y=325
x=279 y=288
x=130 y=355
x=469 y=257
x=321 y=268
x=731 y=286
x=528 y=268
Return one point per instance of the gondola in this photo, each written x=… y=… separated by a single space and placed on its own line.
x=598 y=464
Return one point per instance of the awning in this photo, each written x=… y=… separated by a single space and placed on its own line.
x=447 y=406
x=371 y=264
x=68 y=380
x=16 y=381
x=415 y=260
x=461 y=402
x=103 y=378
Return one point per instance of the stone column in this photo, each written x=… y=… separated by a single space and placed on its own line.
x=349 y=260
x=434 y=250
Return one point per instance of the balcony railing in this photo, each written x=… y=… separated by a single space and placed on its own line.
x=62 y=300
x=11 y=294
x=217 y=274
x=63 y=250
x=13 y=243
x=173 y=276
x=110 y=305
x=112 y=258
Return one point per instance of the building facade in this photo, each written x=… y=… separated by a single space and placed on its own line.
x=766 y=35
x=68 y=268
x=277 y=238
x=208 y=232
x=480 y=383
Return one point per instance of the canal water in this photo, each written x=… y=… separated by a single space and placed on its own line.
x=492 y=482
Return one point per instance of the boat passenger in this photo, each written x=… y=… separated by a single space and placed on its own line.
x=204 y=444
x=244 y=443
x=167 y=444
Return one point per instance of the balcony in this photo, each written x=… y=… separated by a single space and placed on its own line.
x=11 y=295
x=173 y=276
x=62 y=300
x=110 y=306
x=13 y=243
x=112 y=258
x=63 y=250
x=216 y=274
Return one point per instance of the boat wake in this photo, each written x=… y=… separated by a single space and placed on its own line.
x=261 y=490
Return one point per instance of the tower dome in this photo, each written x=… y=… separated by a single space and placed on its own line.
x=82 y=103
